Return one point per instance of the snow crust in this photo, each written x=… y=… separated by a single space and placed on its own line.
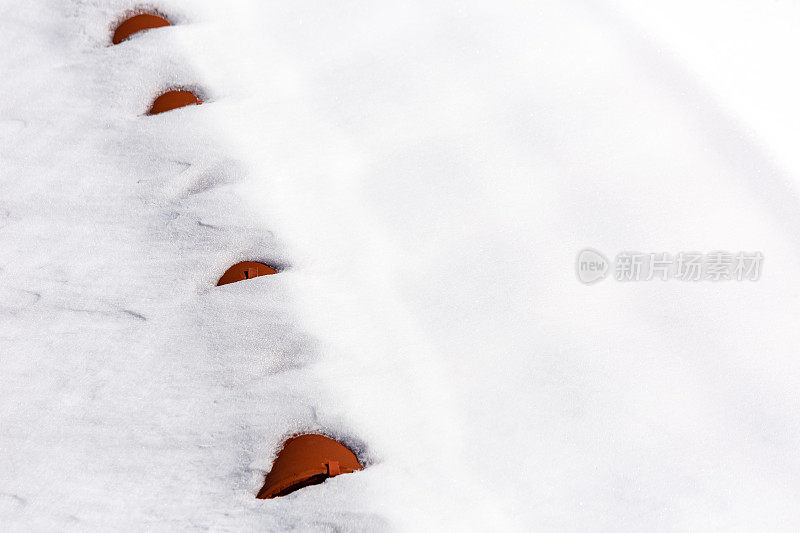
x=425 y=174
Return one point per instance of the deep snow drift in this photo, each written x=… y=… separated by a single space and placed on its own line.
x=425 y=173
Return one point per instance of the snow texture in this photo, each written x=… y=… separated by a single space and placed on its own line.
x=424 y=174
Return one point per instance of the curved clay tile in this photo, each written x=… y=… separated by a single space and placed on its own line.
x=304 y=461
x=137 y=23
x=172 y=100
x=245 y=270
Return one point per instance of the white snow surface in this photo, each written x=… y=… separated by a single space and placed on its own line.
x=424 y=173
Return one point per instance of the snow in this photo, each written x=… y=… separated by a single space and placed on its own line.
x=425 y=173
